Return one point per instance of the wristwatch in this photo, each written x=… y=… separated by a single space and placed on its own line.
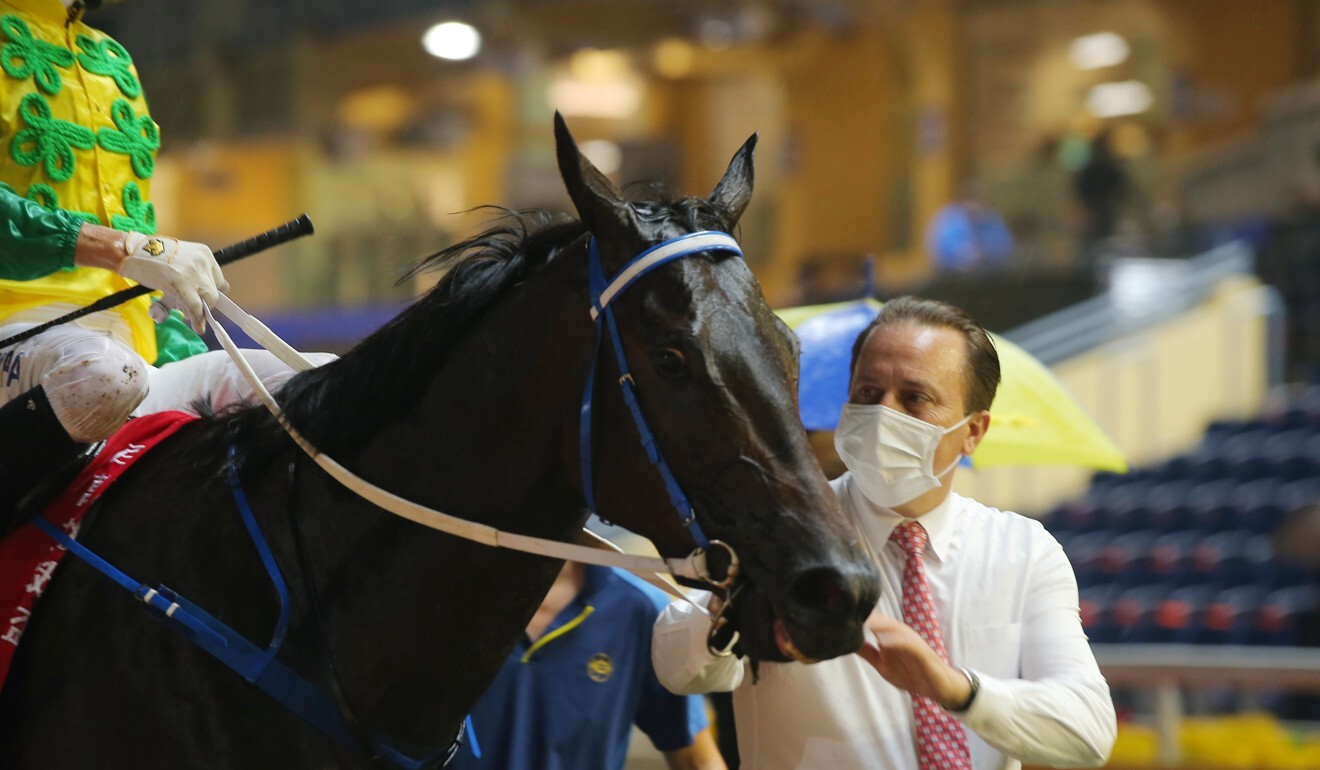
x=975 y=682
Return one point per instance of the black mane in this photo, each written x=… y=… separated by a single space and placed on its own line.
x=477 y=272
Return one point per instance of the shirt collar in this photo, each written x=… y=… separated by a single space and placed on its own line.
x=879 y=521
x=52 y=11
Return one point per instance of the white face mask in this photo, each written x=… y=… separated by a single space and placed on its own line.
x=891 y=454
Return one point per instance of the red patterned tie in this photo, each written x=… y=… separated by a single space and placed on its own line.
x=941 y=741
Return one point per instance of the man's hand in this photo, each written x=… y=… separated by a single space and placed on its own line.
x=185 y=272
x=904 y=659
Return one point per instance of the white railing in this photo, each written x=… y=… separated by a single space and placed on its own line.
x=1168 y=669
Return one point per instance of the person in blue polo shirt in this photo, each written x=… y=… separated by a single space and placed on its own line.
x=579 y=679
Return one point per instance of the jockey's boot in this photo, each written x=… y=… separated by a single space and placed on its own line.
x=33 y=444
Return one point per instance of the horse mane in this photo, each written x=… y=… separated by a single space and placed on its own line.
x=477 y=272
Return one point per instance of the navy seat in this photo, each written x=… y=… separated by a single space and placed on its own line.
x=1221 y=560
x=1230 y=615
x=1167 y=507
x=1204 y=464
x=1169 y=560
x=1179 y=616
x=1211 y=506
x=1097 y=611
x=1135 y=612
x=1124 y=507
x=1244 y=454
x=1076 y=516
x=1256 y=510
x=1289 y=457
x=1083 y=552
x=1281 y=615
x=1296 y=494
x=1123 y=560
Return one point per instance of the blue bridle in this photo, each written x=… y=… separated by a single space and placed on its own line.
x=602 y=294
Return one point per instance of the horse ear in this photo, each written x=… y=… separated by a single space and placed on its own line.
x=599 y=204
x=734 y=191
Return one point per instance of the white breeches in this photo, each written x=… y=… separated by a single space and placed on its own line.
x=94 y=381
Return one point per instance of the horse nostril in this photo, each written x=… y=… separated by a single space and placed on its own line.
x=822 y=588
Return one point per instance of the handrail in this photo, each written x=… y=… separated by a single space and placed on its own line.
x=1191 y=665
x=1167 y=668
x=1088 y=324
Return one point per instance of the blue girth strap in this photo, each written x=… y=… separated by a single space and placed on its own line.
x=602 y=294
x=256 y=665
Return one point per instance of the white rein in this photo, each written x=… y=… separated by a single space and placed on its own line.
x=600 y=551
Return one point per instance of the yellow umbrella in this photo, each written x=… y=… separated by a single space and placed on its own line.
x=1033 y=421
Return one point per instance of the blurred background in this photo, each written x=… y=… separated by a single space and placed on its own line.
x=1127 y=189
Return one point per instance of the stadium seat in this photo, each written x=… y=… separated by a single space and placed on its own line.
x=1123 y=509
x=1179 y=616
x=1289 y=457
x=1084 y=551
x=1123 y=560
x=1281 y=614
x=1220 y=560
x=1230 y=615
x=1075 y=517
x=1296 y=494
x=1210 y=503
x=1167 y=509
x=1244 y=455
x=1169 y=560
x=1097 y=613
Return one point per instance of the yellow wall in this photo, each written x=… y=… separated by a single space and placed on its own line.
x=1238 y=52
x=1154 y=393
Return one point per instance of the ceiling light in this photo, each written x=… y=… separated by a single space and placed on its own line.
x=452 y=40
x=1103 y=49
x=1112 y=100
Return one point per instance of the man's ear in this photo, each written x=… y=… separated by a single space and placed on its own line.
x=976 y=428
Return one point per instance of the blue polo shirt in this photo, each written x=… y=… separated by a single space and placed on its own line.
x=569 y=701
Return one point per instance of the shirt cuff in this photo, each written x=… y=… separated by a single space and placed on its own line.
x=993 y=698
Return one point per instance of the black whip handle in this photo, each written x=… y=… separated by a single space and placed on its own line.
x=294 y=228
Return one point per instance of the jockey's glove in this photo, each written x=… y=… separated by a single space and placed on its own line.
x=184 y=271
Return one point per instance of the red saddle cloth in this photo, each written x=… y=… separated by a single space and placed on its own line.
x=28 y=557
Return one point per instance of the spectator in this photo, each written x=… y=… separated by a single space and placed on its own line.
x=576 y=683
x=1102 y=187
x=975 y=655
x=967 y=234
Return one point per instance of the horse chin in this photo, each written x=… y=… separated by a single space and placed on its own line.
x=767 y=635
x=763 y=634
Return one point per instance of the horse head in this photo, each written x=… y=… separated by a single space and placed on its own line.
x=715 y=373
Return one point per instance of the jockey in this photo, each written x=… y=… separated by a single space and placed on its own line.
x=78 y=151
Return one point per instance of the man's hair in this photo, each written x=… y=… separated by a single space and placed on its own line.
x=981 y=365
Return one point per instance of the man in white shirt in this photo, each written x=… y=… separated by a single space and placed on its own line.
x=1018 y=681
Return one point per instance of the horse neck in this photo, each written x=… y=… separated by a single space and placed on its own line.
x=492 y=441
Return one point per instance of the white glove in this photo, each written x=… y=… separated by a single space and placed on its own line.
x=185 y=272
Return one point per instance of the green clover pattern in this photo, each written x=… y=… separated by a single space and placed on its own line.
x=139 y=216
x=136 y=137
x=48 y=140
x=108 y=58
x=25 y=55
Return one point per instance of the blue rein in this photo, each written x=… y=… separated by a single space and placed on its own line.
x=602 y=294
x=254 y=664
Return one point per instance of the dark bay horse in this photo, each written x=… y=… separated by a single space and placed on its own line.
x=468 y=402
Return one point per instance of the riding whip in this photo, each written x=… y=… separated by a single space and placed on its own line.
x=294 y=228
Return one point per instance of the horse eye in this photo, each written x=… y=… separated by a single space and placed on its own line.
x=670 y=362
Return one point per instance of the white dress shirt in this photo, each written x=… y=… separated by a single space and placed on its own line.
x=1007 y=602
